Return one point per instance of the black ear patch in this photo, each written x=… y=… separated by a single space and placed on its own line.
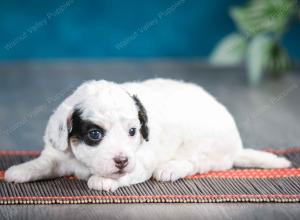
x=142 y=117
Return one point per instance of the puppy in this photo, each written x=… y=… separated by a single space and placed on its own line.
x=115 y=135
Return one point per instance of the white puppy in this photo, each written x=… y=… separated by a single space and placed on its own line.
x=116 y=135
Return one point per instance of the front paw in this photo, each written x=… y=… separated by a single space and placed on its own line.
x=100 y=183
x=166 y=173
x=17 y=174
x=172 y=170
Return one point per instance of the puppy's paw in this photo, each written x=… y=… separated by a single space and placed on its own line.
x=100 y=183
x=18 y=174
x=172 y=170
x=166 y=174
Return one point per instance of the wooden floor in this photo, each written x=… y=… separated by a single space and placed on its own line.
x=267 y=116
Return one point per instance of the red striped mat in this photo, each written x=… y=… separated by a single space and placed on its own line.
x=236 y=185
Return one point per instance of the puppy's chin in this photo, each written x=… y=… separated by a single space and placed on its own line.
x=118 y=174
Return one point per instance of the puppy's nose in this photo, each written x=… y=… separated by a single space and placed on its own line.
x=121 y=162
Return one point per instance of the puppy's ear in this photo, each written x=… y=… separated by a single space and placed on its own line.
x=59 y=127
x=60 y=123
x=143 y=118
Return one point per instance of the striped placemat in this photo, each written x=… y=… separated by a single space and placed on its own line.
x=236 y=185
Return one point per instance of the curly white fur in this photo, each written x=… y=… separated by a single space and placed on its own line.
x=189 y=132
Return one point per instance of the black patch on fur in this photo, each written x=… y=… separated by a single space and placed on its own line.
x=80 y=128
x=142 y=113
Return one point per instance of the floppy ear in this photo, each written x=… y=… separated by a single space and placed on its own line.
x=143 y=118
x=60 y=123
x=59 y=127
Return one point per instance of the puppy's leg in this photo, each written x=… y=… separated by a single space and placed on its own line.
x=180 y=168
x=173 y=170
x=102 y=183
x=199 y=156
x=186 y=161
x=39 y=168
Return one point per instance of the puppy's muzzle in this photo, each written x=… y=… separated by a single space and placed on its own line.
x=121 y=162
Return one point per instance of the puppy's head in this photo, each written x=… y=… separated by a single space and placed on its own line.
x=104 y=128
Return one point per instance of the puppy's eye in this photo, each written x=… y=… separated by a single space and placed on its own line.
x=132 y=131
x=95 y=135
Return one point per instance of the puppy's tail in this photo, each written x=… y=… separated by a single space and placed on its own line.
x=255 y=158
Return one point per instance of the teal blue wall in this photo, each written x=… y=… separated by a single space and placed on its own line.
x=95 y=29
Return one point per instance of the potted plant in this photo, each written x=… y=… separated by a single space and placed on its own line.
x=261 y=25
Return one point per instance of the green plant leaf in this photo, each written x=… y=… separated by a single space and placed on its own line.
x=258 y=57
x=260 y=16
x=279 y=61
x=230 y=51
x=243 y=22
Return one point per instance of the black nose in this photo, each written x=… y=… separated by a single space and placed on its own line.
x=121 y=162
